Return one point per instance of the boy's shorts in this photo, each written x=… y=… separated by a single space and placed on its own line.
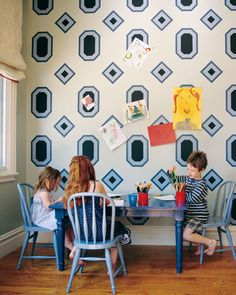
x=194 y=224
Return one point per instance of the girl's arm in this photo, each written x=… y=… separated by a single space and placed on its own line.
x=100 y=188
x=45 y=197
x=58 y=200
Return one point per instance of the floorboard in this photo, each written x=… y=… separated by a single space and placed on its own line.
x=150 y=270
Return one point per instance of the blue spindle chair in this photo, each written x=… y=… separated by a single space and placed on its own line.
x=86 y=237
x=221 y=216
x=25 y=192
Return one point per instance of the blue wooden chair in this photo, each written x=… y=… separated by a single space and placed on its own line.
x=86 y=235
x=221 y=216
x=25 y=192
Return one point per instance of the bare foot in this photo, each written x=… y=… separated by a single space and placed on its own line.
x=198 y=250
x=72 y=255
x=211 y=247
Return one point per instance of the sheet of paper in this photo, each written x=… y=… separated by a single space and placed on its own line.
x=161 y=134
x=112 y=195
x=88 y=102
x=134 y=111
x=137 y=53
x=166 y=197
x=118 y=202
x=187 y=108
x=112 y=134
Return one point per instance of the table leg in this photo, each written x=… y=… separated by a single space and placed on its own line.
x=179 y=245
x=61 y=243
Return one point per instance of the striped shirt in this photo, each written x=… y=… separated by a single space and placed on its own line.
x=196 y=195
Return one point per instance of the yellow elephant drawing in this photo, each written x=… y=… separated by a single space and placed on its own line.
x=187 y=108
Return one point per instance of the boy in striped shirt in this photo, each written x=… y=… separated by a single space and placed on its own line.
x=196 y=196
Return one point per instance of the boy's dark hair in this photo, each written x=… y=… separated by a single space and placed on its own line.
x=198 y=160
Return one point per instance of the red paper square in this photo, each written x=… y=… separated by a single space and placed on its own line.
x=161 y=134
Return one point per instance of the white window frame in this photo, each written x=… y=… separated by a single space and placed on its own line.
x=8 y=132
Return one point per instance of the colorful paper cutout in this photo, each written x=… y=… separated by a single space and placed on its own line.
x=134 y=111
x=187 y=106
x=112 y=134
x=137 y=53
x=161 y=134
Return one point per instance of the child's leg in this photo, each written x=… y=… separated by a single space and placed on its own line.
x=114 y=257
x=69 y=237
x=197 y=252
x=190 y=236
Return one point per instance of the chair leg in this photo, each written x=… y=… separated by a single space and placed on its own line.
x=109 y=267
x=122 y=261
x=202 y=246
x=35 y=236
x=26 y=239
x=228 y=234
x=55 y=247
x=74 y=269
x=220 y=236
x=83 y=252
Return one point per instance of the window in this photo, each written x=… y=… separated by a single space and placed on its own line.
x=7 y=130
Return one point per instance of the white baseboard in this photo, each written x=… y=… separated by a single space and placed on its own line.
x=11 y=241
x=141 y=235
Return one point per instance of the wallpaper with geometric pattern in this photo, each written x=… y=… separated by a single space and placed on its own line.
x=76 y=48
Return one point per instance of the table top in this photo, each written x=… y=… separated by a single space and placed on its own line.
x=156 y=207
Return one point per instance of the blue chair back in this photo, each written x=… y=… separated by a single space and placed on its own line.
x=84 y=218
x=223 y=201
x=25 y=191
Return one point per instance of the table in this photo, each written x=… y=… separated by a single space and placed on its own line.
x=155 y=208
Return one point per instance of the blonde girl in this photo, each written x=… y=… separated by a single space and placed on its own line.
x=41 y=214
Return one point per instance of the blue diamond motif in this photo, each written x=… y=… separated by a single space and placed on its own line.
x=65 y=22
x=161 y=179
x=65 y=73
x=211 y=19
x=113 y=21
x=64 y=126
x=211 y=71
x=212 y=179
x=211 y=125
x=112 y=72
x=112 y=179
x=113 y=117
x=64 y=178
x=160 y=120
x=161 y=19
x=161 y=72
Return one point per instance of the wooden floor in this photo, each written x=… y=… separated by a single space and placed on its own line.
x=151 y=270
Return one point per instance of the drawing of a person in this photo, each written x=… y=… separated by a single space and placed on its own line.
x=187 y=113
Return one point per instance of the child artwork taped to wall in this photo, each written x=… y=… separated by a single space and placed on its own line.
x=187 y=108
x=134 y=111
x=112 y=134
x=88 y=102
x=137 y=53
x=161 y=134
